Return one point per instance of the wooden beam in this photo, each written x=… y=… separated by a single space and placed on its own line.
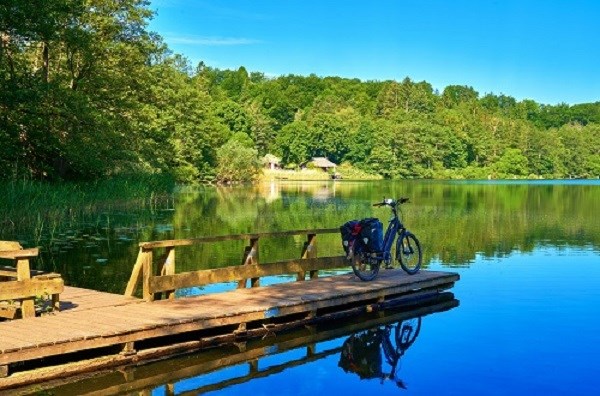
x=238 y=272
x=195 y=241
x=27 y=288
x=136 y=275
x=21 y=253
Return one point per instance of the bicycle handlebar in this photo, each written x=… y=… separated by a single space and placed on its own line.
x=391 y=202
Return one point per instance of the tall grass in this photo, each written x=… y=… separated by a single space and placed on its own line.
x=31 y=210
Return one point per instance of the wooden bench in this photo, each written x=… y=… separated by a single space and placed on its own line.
x=19 y=285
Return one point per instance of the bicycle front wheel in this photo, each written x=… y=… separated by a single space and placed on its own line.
x=365 y=267
x=409 y=253
x=407 y=332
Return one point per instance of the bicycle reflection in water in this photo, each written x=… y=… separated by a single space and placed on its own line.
x=362 y=351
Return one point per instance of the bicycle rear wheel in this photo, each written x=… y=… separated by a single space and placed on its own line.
x=409 y=253
x=365 y=267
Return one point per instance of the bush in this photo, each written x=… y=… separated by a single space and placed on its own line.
x=236 y=163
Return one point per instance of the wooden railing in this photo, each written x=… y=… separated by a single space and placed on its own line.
x=164 y=279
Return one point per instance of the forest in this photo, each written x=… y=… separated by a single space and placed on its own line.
x=87 y=92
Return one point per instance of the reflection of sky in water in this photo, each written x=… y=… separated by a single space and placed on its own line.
x=527 y=324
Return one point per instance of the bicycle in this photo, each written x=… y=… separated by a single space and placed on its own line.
x=408 y=252
x=361 y=352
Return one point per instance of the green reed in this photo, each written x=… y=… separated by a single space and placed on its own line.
x=32 y=211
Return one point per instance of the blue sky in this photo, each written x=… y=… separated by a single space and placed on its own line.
x=545 y=50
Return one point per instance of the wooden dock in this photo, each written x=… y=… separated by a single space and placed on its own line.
x=116 y=326
x=94 y=330
x=253 y=357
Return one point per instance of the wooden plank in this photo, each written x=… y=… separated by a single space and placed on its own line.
x=77 y=299
x=14 y=290
x=235 y=273
x=18 y=254
x=10 y=245
x=32 y=333
x=194 y=241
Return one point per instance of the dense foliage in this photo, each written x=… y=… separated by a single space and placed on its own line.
x=86 y=91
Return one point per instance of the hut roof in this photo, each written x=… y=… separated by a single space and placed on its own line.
x=323 y=162
x=271 y=159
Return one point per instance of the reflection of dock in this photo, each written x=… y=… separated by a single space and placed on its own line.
x=147 y=377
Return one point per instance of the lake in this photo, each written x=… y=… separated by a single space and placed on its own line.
x=523 y=319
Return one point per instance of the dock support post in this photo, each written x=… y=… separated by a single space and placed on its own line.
x=3 y=370
x=253 y=366
x=170 y=389
x=241 y=332
x=128 y=349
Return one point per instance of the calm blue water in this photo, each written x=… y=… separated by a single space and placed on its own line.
x=527 y=324
x=528 y=319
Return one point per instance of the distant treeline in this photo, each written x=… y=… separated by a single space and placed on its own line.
x=87 y=92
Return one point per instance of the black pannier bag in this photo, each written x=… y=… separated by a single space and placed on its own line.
x=350 y=231
x=361 y=354
x=371 y=234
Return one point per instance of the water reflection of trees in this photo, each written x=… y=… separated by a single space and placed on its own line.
x=455 y=221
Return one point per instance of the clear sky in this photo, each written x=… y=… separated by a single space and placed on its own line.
x=545 y=50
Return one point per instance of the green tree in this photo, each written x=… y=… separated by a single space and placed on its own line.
x=236 y=161
x=292 y=143
x=454 y=95
x=512 y=162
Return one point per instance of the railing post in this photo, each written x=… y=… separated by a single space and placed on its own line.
x=168 y=268
x=250 y=257
x=309 y=251
x=147 y=274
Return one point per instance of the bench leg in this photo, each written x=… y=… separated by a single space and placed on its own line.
x=28 y=308
x=56 y=302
